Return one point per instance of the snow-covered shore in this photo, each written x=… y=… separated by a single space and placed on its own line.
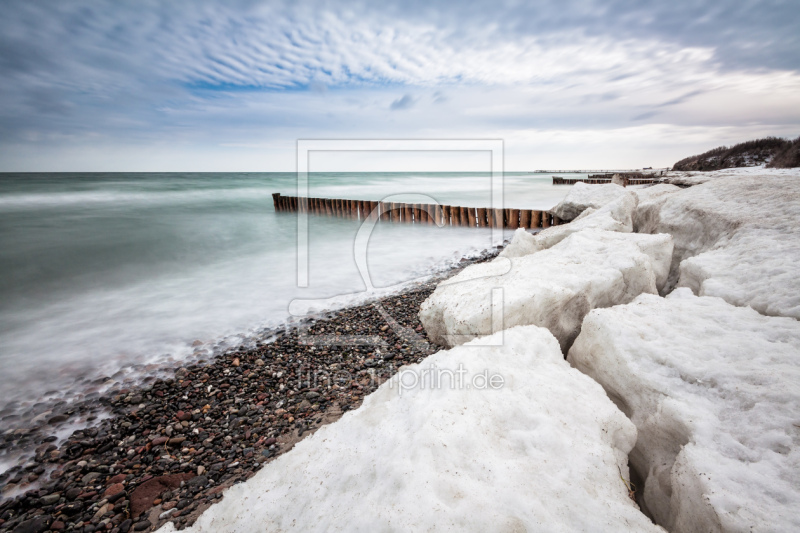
x=700 y=387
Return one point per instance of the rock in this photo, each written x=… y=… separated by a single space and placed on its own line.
x=119 y=478
x=182 y=416
x=57 y=419
x=553 y=288
x=113 y=489
x=34 y=525
x=58 y=525
x=142 y=525
x=712 y=389
x=142 y=497
x=200 y=470
x=50 y=499
x=72 y=508
x=175 y=441
x=158 y=441
x=583 y=196
x=90 y=477
x=198 y=481
x=125 y=526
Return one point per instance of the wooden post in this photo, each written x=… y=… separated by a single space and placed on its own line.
x=276 y=197
x=556 y=220
x=482 y=217
x=408 y=218
x=498 y=218
x=328 y=206
x=438 y=215
x=489 y=218
x=467 y=219
x=545 y=219
x=514 y=218
x=418 y=214
x=430 y=210
x=455 y=212
x=525 y=218
x=536 y=219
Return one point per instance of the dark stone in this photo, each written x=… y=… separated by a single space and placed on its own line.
x=141 y=526
x=125 y=526
x=34 y=525
x=198 y=481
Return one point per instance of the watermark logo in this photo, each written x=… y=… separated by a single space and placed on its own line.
x=300 y=308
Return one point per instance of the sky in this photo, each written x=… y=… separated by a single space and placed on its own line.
x=232 y=86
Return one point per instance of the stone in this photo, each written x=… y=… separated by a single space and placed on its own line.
x=50 y=499
x=113 y=489
x=34 y=525
x=142 y=497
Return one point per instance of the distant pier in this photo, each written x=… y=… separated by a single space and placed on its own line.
x=628 y=178
x=426 y=214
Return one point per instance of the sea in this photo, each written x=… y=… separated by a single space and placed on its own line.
x=109 y=275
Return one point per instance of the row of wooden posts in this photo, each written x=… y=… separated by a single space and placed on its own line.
x=430 y=214
x=599 y=179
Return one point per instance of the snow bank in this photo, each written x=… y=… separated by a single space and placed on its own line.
x=614 y=216
x=582 y=196
x=553 y=288
x=713 y=390
x=688 y=179
x=544 y=452
x=650 y=201
x=735 y=237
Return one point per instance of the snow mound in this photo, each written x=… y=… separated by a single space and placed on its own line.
x=553 y=288
x=583 y=195
x=713 y=390
x=650 y=201
x=689 y=179
x=614 y=216
x=545 y=451
x=735 y=237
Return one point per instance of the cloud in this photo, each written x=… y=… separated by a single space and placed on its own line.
x=405 y=102
x=244 y=73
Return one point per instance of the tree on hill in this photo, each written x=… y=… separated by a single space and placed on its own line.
x=773 y=152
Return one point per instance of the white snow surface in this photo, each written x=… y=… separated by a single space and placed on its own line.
x=553 y=288
x=736 y=238
x=650 y=201
x=690 y=178
x=583 y=196
x=614 y=216
x=545 y=452
x=714 y=391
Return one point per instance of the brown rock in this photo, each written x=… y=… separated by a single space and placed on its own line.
x=142 y=497
x=113 y=489
x=119 y=478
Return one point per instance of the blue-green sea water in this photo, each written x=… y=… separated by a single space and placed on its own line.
x=103 y=274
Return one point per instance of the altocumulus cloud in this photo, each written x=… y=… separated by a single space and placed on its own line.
x=198 y=75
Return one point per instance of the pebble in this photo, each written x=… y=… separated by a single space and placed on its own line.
x=188 y=437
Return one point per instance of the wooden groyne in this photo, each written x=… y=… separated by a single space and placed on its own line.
x=628 y=178
x=428 y=214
